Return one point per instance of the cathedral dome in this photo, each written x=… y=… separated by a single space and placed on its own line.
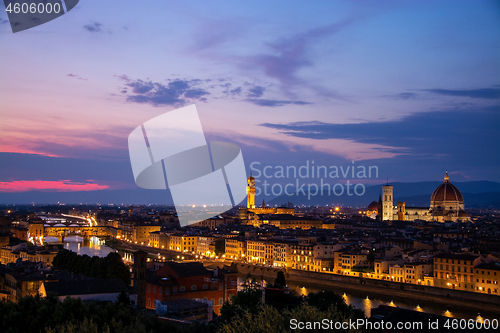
x=446 y=192
x=373 y=206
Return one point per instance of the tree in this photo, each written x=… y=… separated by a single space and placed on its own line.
x=269 y=319
x=34 y=314
x=280 y=281
x=123 y=298
x=220 y=247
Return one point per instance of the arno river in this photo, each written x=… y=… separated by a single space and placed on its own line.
x=361 y=300
x=94 y=246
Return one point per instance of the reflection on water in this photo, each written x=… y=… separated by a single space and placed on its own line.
x=367 y=306
x=366 y=303
x=92 y=246
x=127 y=256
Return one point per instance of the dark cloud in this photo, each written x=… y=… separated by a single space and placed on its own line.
x=76 y=77
x=176 y=92
x=256 y=92
x=228 y=90
x=488 y=93
x=274 y=103
x=235 y=91
x=93 y=27
x=405 y=95
x=470 y=134
x=140 y=87
x=2 y=21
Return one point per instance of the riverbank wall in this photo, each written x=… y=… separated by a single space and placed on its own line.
x=342 y=283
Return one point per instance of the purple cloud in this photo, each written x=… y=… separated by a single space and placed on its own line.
x=76 y=77
x=289 y=55
x=274 y=103
x=93 y=27
x=176 y=92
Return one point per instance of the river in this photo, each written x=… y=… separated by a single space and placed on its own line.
x=363 y=301
x=92 y=246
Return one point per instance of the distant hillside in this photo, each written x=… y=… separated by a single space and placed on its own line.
x=476 y=194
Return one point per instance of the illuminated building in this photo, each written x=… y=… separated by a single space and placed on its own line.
x=35 y=230
x=397 y=273
x=345 y=260
x=487 y=278
x=176 y=242
x=236 y=247
x=387 y=203
x=281 y=252
x=251 y=192
x=415 y=272
x=251 y=210
x=154 y=239
x=260 y=251
x=455 y=271
x=203 y=245
x=140 y=233
x=446 y=205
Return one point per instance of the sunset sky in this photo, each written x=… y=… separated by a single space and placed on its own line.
x=410 y=86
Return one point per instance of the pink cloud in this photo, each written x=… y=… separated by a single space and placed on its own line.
x=48 y=185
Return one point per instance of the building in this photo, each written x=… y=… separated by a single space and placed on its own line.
x=87 y=289
x=190 y=280
x=487 y=278
x=260 y=251
x=416 y=272
x=236 y=248
x=176 y=242
x=35 y=231
x=251 y=192
x=281 y=252
x=387 y=203
x=446 y=205
x=25 y=280
x=251 y=210
x=139 y=271
x=347 y=259
x=288 y=221
x=203 y=245
x=183 y=243
x=140 y=233
x=455 y=271
x=154 y=239
x=213 y=223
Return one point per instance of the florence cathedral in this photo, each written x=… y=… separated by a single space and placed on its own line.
x=446 y=205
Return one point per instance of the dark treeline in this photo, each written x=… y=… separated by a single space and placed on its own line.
x=108 y=267
x=244 y=314
x=49 y=315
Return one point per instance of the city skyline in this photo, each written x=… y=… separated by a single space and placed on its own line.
x=411 y=87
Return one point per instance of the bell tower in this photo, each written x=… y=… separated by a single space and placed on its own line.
x=387 y=203
x=251 y=192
